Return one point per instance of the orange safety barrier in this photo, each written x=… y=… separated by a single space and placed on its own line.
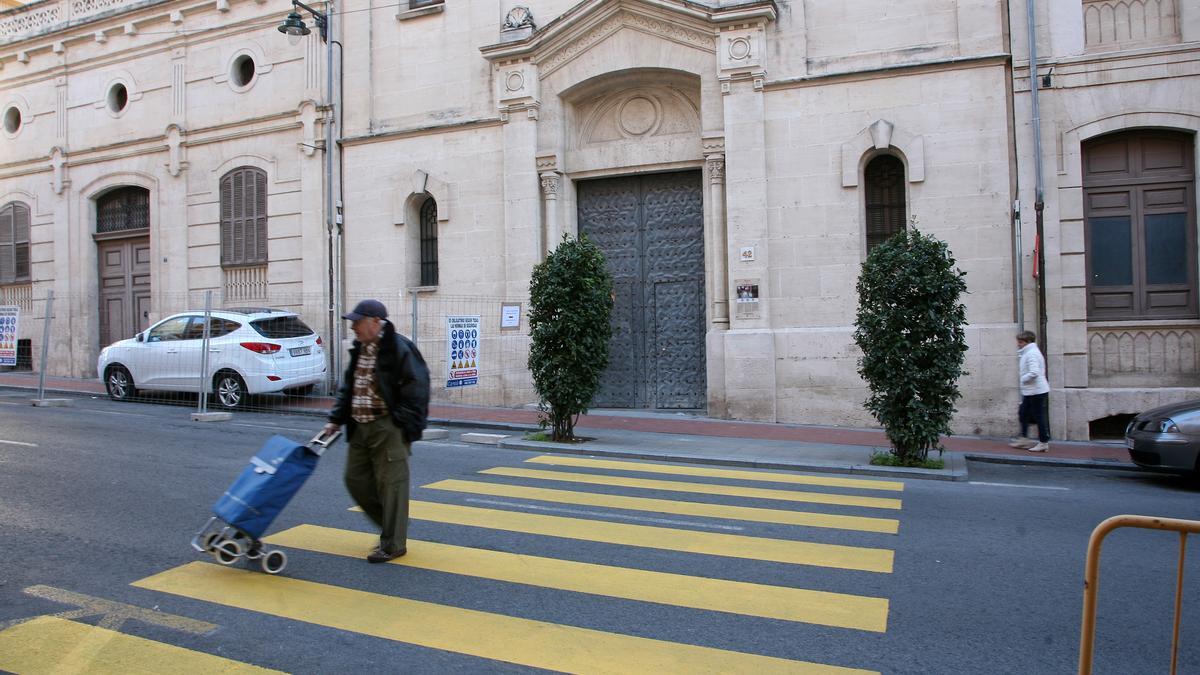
x=1091 y=579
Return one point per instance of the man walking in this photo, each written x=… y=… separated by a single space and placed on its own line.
x=383 y=402
x=1035 y=394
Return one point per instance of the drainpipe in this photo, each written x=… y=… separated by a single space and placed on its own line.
x=1039 y=186
x=1015 y=176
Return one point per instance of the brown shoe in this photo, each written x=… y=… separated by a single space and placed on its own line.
x=381 y=556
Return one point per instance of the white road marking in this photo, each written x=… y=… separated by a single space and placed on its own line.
x=1014 y=485
x=28 y=445
x=606 y=514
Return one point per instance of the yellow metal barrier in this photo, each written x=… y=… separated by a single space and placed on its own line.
x=1091 y=579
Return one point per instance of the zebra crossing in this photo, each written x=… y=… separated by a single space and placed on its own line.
x=572 y=498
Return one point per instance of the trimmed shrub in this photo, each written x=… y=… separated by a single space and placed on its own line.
x=910 y=330
x=570 y=305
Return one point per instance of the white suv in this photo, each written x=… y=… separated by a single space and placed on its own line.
x=250 y=351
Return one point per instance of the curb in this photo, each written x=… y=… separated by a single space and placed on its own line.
x=1054 y=462
x=958 y=472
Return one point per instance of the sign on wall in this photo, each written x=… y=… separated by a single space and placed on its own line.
x=8 y=334
x=462 y=351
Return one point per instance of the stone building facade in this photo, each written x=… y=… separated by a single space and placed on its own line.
x=735 y=160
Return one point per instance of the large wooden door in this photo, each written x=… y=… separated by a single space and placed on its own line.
x=124 y=288
x=651 y=230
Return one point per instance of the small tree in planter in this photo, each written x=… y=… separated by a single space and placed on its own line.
x=570 y=304
x=910 y=330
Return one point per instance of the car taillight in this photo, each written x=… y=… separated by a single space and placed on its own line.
x=319 y=341
x=261 y=347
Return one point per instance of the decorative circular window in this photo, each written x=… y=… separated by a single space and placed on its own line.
x=12 y=120
x=243 y=71
x=118 y=97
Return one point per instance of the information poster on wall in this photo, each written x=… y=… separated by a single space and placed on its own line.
x=8 y=334
x=462 y=351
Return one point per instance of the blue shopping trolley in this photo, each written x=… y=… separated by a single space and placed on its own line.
x=249 y=506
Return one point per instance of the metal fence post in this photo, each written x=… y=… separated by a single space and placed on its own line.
x=202 y=404
x=45 y=344
x=416 y=301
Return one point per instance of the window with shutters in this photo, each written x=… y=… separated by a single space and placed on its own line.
x=244 y=217
x=125 y=208
x=429 y=243
x=1140 y=225
x=14 y=243
x=884 y=189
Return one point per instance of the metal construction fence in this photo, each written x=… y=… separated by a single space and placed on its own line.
x=255 y=355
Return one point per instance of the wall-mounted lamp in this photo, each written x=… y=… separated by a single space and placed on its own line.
x=1045 y=78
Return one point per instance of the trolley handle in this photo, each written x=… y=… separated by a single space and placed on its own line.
x=321 y=442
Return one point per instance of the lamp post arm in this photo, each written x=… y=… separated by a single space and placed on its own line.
x=321 y=18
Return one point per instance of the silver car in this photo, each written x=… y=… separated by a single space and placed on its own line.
x=1166 y=438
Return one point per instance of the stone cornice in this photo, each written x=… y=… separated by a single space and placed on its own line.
x=380 y=136
x=887 y=71
x=688 y=22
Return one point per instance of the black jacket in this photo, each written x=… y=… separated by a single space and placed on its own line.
x=403 y=381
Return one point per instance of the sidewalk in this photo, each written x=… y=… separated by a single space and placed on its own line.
x=691 y=438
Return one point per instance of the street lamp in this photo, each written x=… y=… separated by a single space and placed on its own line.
x=294 y=28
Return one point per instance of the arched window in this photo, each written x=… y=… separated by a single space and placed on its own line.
x=429 y=247
x=14 y=243
x=125 y=208
x=244 y=217
x=1140 y=225
x=884 y=189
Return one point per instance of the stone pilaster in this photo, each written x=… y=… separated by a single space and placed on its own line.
x=517 y=99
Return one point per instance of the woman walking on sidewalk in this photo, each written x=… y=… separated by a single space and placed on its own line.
x=1035 y=394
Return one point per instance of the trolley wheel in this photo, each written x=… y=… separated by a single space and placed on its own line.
x=209 y=542
x=274 y=561
x=227 y=551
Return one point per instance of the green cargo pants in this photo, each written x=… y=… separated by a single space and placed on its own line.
x=377 y=478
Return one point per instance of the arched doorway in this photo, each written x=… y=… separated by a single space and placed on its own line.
x=123 y=260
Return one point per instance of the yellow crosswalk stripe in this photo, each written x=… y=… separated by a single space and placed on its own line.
x=49 y=644
x=736 y=474
x=773 y=602
x=699 y=488
x=665 y=538
x=754 y=514
x=537 y=644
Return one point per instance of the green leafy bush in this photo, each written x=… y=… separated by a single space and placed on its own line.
x=910 y=330
x=570 y=303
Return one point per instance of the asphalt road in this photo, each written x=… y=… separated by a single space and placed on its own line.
x=98 y=503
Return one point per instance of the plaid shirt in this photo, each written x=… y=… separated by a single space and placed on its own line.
x=367 y=405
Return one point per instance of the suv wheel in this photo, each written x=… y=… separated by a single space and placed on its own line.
x=229 y=390
x=119 y=384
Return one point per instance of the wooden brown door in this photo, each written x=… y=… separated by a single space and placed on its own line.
x=1140 y=211
x=124 y=288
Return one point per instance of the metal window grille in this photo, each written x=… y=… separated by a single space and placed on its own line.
x=14 y=243
x=126 y=208
x=429 y=248
x=884 y=179
x=244 y=217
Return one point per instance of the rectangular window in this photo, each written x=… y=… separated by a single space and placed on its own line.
x=14 y=243
x=1166 y=248
x=244 y=217
x=1112 y=251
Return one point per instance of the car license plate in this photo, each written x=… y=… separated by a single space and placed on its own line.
x=300 y=351
x=1129 y=443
